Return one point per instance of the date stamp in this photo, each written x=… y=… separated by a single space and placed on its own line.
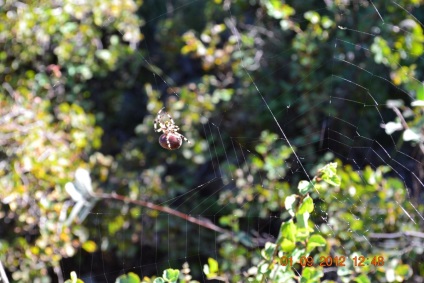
x=327 y=261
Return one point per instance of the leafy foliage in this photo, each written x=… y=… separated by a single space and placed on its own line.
x=77 y=91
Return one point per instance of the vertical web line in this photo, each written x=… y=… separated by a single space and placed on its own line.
x=216 y=153
x=225 y=151
x=101 y=251
x=210 y=152
x=237 y=35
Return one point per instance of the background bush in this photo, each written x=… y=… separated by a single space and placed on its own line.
x=81 y=86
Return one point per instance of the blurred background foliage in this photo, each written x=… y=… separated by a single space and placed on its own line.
x=82 y=81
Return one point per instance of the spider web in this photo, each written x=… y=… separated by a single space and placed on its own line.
x=343 y=134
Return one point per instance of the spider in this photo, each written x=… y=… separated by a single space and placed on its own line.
x=170 y=139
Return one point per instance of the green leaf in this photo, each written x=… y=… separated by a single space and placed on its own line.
x=286 y=276
x=311 y=275
x=404 y=271
x=159 y=280
x=171 y=275
x=278 y=9
x=268 y=251
x=306 y=206
x=213 y=265
x=302 y=220
x=303 y=230
x=312 y=16
x=225 y=220
x=297 y=253
x=302 y=234
x=288 y=231
x=74 y=278
x=89 y=246
x=104 y=54
x=263 y=267
x=288 y=246
x=128 y=278
x=315 y=241
x=420 y=92
x=305 y=187
x=290 y=204
x=362 y=279
x=329 y=174
x=344 y=271
x=261 y=148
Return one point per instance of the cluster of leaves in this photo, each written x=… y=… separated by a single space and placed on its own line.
x=47 y=57
x=40 y=150
x=300 y=246
x=65 y=63
x=354 y=209
x=169 y=275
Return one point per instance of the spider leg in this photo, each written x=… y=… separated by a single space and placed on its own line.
x=167 y=141
x=155 y=124
x=185 y=139
x=161 y=110
x=170 y=119
x=158 y=120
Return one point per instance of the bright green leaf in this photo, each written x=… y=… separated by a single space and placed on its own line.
x=315 y=241
x=89 y=246
x=287 y=245
x=268 y=251
x=311 y=275
x=329 y=174
x=213 y=265
x=307 y=205
x=305 y=187
x=312 y=16
x=420 y=92
x=74 y=278
x=302 y=220
x=171 y=275
x=128 y=278
x=288 y=231
x=362 y=279
x=403 y=271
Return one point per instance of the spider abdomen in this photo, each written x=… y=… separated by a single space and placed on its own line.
x=170 y=141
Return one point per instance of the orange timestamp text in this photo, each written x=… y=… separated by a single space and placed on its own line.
x=332 y=261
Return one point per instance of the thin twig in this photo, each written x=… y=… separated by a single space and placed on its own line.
x=397 y=235
x=405 y=125
x=400 y=116
x=201 y=222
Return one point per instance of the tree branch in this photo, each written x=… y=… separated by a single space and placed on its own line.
x=397 y=235
x=201 y=222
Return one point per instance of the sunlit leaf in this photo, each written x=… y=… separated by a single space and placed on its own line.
x=290 y=204
x=362 y=279
x=410 y=135
x=315 y=241
x=89 y=246
x=213 y=265
x=128 y=278
x=171 y=275
x=288 y=231
x=307 y=205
